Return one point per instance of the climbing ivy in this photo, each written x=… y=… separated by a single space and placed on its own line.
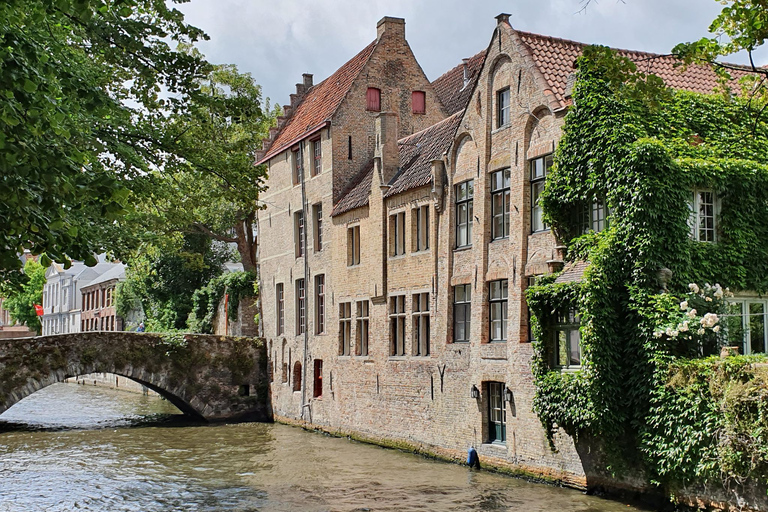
x=642 y=149
x=206 y=300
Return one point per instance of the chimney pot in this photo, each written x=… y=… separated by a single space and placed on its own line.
x=393 y=27
x=307 y=80
x=503 y=18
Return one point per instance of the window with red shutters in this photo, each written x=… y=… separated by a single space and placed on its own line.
x=373 y=99
x=419 y=102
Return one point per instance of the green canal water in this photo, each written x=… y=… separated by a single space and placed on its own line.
x=77 y=448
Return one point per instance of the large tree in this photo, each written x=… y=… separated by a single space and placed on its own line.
x=209 y=183
x=20 y=302
x=82 y=83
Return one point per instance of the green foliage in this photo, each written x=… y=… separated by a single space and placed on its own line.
x=164 y=279
x=206 y=300
x=20 y=303
x=208 y=183
x=642 y=150
x=81 y=86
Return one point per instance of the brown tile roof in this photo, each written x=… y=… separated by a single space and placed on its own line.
x=358 y=192
x=417 y=152
x=555 y=58
x=450 y=87
x=573 y=272
x=319 y=103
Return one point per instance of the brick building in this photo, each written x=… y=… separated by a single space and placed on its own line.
x=98 y=301
x=400 y=232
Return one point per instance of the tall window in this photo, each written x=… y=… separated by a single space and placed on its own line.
x=317 y=226
x=567 y=349
x=298 y=233
x=502 y=111
x=317 y=157
x=297 y=168
x=353 y=246
x=702 y=218
x=418 y=102
x=497 y=413
x=464 y=194
x=420 y=218
x=592 y=217
x=539 y=169
x=301 y=307
x=345 y=328
x=498 y=310
x=397 y=234
x=746 y=325
x=280 y=301
x=397 y=325
x=500 y=204
x=318 y=380
x=362 y=327
x=462 y=308
x=373 y=99
x=421 y=324
x=320 y=303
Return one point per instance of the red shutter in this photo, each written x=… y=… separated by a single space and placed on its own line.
x=373 y=99
x=419 y=102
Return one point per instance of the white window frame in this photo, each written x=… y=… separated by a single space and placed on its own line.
x=747 y=343
x=695 y=204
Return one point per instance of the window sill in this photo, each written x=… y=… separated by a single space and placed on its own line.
x=496 y=342
x=462 y=248
x=496 y=445
x=396 y=256
x=501 y=128
x=356 y=265
x=420 y=252
x=500 y=239
x=569 y=369
x=540 y=231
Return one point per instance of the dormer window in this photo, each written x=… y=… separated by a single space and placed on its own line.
x=419 y=102
x=373 y=100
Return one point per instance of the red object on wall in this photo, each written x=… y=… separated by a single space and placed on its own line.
x=373 y=99
x=419 y=103
x=39 y=309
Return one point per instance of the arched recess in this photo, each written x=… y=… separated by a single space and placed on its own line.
x=540 y=132
x=465 y=156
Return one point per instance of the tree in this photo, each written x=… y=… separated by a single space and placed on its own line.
x=209 y=184
x=20 y=303
x=82 y=82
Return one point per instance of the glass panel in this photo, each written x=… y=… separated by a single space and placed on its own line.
x=734 y=325
x=561 y=349
x=574 y=339
x=756 y=327
x=470 y=189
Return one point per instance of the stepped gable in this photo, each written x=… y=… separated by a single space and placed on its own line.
x=417 y=152
x=358 y=192
x=556 y=57
x=317 y=106
x=455 y=86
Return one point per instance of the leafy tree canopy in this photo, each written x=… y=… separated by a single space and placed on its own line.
x=20 y=303
x=81 y=81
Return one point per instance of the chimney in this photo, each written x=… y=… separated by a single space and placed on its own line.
x=466 y=71
x=307 y=80
x=393 y=27
x=503 y=18
x=386 y=145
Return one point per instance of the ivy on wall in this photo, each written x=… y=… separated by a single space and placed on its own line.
x=643 y=149
x=206 y=300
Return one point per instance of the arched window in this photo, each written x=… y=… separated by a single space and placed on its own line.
x=297 y=376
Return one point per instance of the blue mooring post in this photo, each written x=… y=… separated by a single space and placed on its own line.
x=472 y=458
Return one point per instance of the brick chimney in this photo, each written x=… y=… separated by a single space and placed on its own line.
x=392 y=27
x=386 y=145
x=503 y=18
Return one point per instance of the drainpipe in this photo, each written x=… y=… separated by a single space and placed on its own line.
x=304 y=404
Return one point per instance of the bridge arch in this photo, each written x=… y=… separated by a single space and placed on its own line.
x=206 y=377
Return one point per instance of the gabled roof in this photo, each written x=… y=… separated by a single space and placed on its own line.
x=319 y=103
x=451 y=89
x=358 y=192
x=417 y=152
x=116 y=271
x=556 y=57
x=573 y=272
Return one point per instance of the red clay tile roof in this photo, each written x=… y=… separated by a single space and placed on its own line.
x=358 y=193
x=450 y=87
x=319 y=103
x=417 y=152
x=555 y=58
x=573 y=272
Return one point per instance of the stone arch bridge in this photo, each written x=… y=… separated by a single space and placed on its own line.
x=215 y=378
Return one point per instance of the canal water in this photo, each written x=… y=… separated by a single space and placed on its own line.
x=77 y=448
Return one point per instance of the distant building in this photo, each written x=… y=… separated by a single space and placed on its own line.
x=9 y=328
x=62 y=297
x=98 y=301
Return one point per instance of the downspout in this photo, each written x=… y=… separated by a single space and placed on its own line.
x=304 y=404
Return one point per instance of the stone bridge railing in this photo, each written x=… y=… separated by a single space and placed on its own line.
x=209 y=377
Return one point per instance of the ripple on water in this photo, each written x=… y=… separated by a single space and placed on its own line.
x=69 y=447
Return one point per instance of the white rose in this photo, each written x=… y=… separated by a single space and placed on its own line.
x=694 y=287
x=691 y=313
x=700 y=332
x=684 y=305
x=716 y=328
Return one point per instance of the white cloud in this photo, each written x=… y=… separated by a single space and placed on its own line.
x=279 y=40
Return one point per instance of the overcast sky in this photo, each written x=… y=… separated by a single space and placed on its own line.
x=278 y=40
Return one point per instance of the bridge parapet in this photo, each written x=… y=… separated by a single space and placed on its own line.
x=215 y=378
